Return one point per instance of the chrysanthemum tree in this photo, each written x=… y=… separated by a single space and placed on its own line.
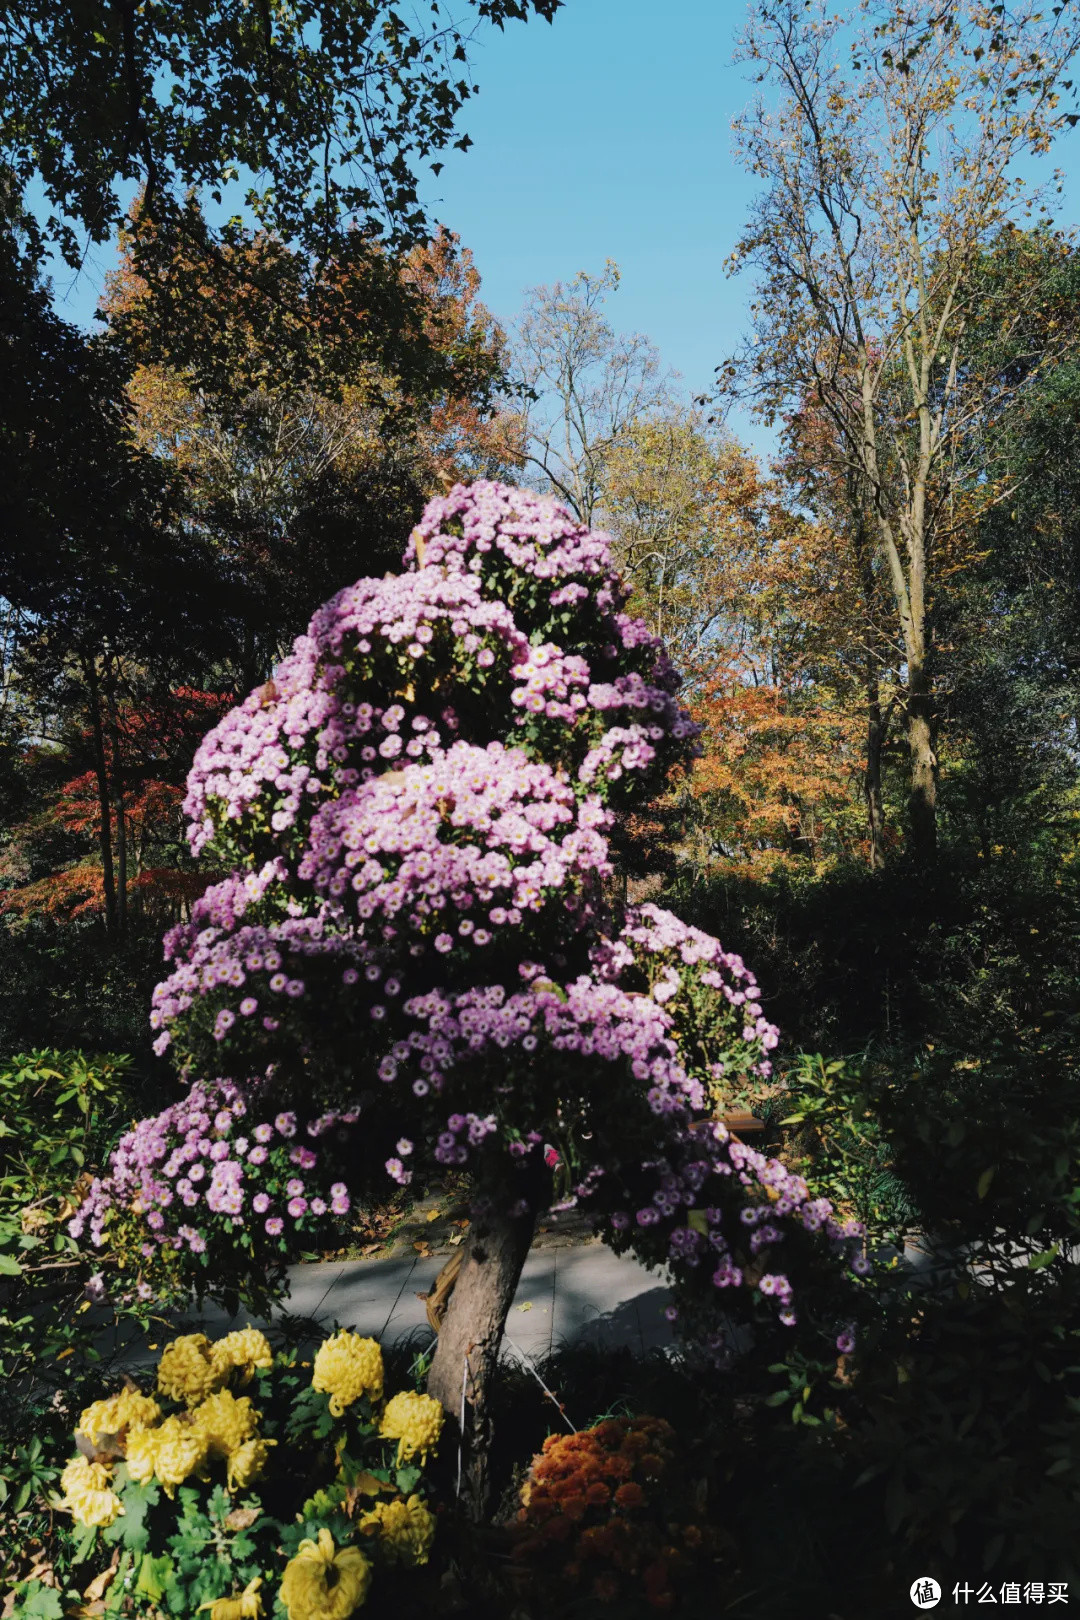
x=420 y=941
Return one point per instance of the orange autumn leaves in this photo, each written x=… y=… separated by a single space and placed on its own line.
x=51 y=865
x=780 y=774
x=778 y=683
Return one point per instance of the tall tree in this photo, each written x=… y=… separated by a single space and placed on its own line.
x=817 y=475
x=674 y=494
x=1011 y=635
x=767 y=625
x=580 y=385
x=889 y=160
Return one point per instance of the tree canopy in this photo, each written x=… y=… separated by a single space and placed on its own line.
x=319 y=111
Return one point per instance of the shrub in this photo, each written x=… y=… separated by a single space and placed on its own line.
x=607 y=1513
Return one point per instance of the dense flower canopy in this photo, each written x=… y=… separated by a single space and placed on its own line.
x=419 y=931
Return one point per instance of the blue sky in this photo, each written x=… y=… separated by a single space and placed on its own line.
x=604 y=135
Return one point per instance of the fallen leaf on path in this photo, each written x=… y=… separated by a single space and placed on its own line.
x=526 y=1307
x=433 y=1214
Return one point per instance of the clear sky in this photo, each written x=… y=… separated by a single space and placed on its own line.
x=606 y=135
x=603 y=135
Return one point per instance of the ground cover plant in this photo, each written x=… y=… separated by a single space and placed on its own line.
x=247 y=1483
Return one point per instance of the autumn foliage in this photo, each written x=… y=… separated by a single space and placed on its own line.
x=53 y=862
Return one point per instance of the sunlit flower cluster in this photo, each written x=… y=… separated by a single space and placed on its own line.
x=86 y=1489
x=188 y=1370
x=207 y=1169
x=324 y=724
x=468 y=618
x=458 y=850
x=249 y=977
x=347 y=1367
x=710 y=995
x=415 y=1422
x=126 y=1412
x=215 y=1425
x=214 y=1435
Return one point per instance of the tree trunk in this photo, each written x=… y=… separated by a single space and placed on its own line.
x=877 y=725
x=468 y=1348
x=121 y=814
x=922 y=804
x=876 y=728
x=104 y=806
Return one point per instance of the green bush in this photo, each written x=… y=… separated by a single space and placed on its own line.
x=59 y=1113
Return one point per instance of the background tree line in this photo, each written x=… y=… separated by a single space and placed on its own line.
x=877 y=628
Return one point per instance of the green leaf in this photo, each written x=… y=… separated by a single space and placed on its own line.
x=982 y=1186
x=406 y=1478
x=40 y=1603
x=153 y=1578
x=131 y=1527
x=86 y=1544
x=9 y=1266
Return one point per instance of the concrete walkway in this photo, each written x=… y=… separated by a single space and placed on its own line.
x=567 y=1295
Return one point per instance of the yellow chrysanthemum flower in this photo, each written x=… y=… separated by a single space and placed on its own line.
x=181 y=1451
x=86 y=1488
x=141 y=1454
x=246 y=1349
x=415 y=1422
x=225 y=1421
x=347 y=1367
x=322 y=1584
x=187 y=1371
x=405 y=1530
x=247 y=1606
x=246 y=1464
x=128 y=1410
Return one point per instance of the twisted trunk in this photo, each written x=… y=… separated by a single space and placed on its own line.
x=463 y=1370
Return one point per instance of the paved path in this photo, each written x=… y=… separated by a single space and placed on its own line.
x=580 y=1294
